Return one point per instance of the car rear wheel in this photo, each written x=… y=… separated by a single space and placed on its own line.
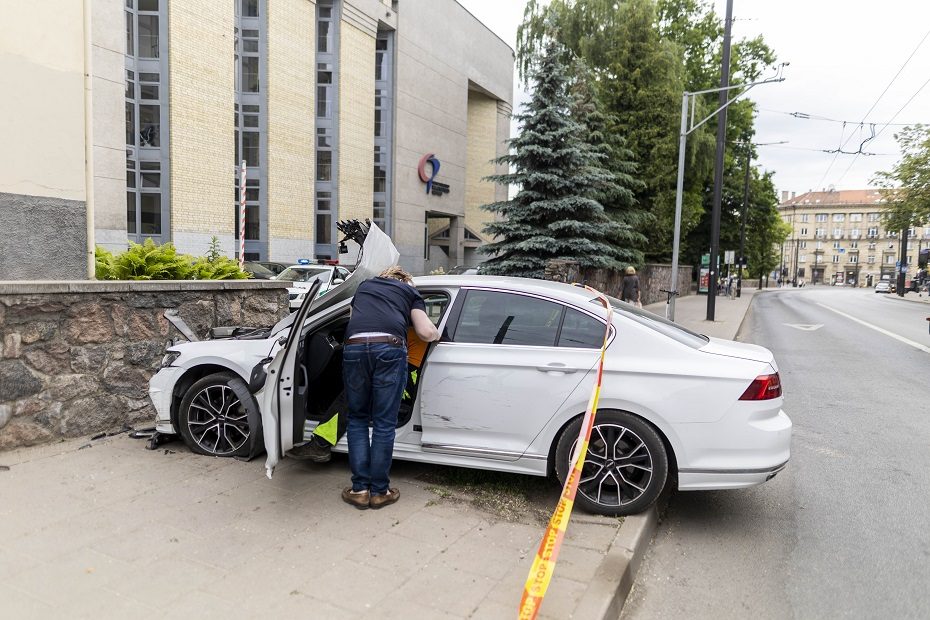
x=212 y=418
x=626 y=466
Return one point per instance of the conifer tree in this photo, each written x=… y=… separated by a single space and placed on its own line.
x=600 y=131
x=555 y=213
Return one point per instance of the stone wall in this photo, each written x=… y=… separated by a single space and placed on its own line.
x=652 y=278
x=76 y=357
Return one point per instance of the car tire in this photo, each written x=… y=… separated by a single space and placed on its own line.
x=212 y=419
x=626 y=467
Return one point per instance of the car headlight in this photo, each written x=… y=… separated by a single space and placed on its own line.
x=169 y=358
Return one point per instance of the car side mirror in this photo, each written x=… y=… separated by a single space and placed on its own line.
x=338 y=281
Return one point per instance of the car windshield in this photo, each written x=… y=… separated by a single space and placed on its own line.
x=258 y=270
x=658 y=323
x=302 y=274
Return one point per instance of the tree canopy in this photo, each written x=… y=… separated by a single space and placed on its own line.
x=906 y=187
x=556 y=212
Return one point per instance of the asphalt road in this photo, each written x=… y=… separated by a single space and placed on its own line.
x=844 y=531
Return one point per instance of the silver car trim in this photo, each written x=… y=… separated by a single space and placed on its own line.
x=502 y=455
x=764 y=470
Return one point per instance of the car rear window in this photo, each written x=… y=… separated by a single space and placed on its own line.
x=657 y=323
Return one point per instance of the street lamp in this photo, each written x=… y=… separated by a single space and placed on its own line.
x=688 y=100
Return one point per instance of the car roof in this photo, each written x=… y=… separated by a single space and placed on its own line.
x=555 y=290
x=312 y=266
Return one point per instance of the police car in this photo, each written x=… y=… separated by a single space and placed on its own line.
x=305 y=273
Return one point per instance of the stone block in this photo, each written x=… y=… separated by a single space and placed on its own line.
x=6 y=413
x=40 y=330
x=63 y=388
x=22 y=432
x=91 y=414
x=47 y=360
x=17 y=381
x=127 y=380
x=89 y=358
x=12 y=345
x=89 y=323
x=49 y=416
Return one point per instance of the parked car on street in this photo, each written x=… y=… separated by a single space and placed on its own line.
x=302 y=276
x=884 y=286
x=504 y=389
x=272 y=266
x=258 y=271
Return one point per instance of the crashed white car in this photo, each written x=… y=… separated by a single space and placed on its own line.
x=504 y=389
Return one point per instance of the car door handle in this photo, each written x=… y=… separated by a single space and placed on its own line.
x=556 y=367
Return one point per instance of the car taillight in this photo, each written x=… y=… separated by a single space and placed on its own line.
x=763 y=387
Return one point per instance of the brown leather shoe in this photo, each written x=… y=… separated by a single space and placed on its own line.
x=359 y=499
x=380 y=501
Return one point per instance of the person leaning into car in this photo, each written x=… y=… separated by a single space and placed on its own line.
x=374 y=371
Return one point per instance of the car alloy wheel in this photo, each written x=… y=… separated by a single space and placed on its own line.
x=625 y=468
x=212 y=418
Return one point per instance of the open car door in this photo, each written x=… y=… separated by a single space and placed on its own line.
x=286 y=381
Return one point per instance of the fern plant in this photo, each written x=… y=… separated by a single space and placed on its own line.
x=149 y=261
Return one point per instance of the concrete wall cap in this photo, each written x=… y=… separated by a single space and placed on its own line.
x=32 y=287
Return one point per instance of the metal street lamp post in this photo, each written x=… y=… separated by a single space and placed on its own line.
x=688 y=100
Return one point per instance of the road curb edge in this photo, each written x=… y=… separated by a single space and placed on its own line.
x=607 y=592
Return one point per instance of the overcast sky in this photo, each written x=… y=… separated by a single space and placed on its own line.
x=843 y=54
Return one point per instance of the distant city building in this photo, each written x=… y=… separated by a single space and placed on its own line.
x=383 y=109
x=837 y=237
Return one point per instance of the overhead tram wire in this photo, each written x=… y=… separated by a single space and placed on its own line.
x=906 y=103
x=843 y=144
x=816 y=117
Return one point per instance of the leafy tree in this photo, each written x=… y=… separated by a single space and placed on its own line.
x=555 y=213
x=644 y=55
x=906 y=187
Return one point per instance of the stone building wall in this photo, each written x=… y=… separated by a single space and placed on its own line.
x=76 y=357
x=652 y=278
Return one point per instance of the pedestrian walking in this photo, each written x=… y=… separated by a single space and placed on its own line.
x=374 y=370
x=629 y=288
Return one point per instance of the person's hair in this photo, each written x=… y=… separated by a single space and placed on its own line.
x=396 y=273
x=630 y=270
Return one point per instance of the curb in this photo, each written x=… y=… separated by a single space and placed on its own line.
x=606 y=593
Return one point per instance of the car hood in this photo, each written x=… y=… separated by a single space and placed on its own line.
x=741 y=350
x=378 y=253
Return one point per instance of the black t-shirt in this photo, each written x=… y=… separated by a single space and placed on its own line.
x=383 y=305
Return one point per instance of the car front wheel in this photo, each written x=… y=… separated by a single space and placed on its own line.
x=212 y=417
x=626 y=466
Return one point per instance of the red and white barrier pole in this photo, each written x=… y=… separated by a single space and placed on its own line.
x=242 y=215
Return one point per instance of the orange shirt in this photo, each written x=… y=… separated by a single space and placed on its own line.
x=416 y=349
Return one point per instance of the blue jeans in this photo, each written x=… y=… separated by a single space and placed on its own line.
x=375 y=376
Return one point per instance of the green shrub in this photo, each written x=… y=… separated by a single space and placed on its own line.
x=103 y=264
x=149 y=261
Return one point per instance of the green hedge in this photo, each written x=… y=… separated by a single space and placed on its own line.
x=149 y=261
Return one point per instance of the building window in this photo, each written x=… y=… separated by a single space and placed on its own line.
x=890 y=260
x=836 y=245
x=327 y=160
x=837 y=233
x=821 y=217
x=854 y=244
x=803 y=245
x=853 y=258
x=873 y=233
x=802 y=258
x=249 y=114
x=820 y=245
x=870 y=260
x=804 y=217
x=145 y=109
x=384 y=110
x=855 y=233
x=839 y=217
x=855 y=217
x=874 y=217
x=820 y=233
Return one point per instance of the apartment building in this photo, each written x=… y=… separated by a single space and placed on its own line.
x=133 y=117
x=837 y=238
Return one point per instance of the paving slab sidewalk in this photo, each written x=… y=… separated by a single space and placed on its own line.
x=107 y=529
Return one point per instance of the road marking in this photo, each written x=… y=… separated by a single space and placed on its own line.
x=906 y=341
x=803 y=327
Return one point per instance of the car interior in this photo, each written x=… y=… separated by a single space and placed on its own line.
x=319 y=382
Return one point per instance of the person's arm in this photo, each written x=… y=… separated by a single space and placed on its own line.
x=424 y=328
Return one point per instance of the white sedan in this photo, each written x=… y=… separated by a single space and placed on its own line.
x=504 y=389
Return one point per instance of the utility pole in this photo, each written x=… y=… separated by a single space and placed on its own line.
x=902 y=266
x=718 y=166
x=742 y=226
x=794 y=240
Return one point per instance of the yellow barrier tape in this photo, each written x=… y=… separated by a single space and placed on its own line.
x=546 y=556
